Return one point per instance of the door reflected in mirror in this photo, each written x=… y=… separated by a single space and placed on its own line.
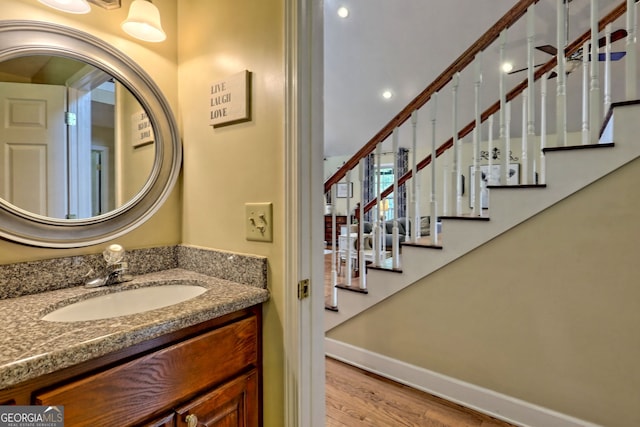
x=74 y=142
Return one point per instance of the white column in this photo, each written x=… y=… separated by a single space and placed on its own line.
x=595 y=117
x=630 y=61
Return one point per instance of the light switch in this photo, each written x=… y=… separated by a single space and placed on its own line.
x=259 y=221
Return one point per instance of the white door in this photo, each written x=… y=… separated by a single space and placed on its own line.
x=33 y=158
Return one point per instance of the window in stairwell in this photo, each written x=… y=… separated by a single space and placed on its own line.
x=386 y=180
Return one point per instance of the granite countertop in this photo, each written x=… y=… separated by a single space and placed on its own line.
x=30 y=347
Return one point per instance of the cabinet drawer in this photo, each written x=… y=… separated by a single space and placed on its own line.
x=131 y=392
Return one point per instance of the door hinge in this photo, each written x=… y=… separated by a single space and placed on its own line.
x=303 y=289
x=69 y=118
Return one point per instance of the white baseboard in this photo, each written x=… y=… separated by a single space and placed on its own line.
x=497 y=405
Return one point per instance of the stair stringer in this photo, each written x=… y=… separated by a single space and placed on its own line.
x=568 y=171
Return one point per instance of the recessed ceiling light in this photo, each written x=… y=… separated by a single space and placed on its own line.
x=343 y=12
x=507 y=67
x=387 y=94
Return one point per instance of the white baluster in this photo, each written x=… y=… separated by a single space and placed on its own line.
x=561 y=81
x=415 y=182
x=347 y=238
x=362 y=262
x=503 y=116
x=607 y=69
x=377 y=228
x=507 y=154
x=456 y=178
x=585 y=94
x=531 y=107
x=543 y=128
x=395 y=232
x=490 y=142
x=524 y=173
x=445 y=179
x=631 y=90
x=477 y=180
x=433 y=204
x=594 y=88
x=334 y=253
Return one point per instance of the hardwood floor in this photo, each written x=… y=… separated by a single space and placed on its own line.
x=358 y=398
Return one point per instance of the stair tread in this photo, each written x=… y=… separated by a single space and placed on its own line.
x=518 y=186
x=352 y=289
x=466 y=217
x=577 y=147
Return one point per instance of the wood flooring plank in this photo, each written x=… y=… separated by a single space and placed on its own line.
x=356 y=398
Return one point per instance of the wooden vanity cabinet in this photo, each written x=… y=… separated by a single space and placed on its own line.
x=228 y=405
x=209 y=377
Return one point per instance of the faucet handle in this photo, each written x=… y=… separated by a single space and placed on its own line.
x=113 y=254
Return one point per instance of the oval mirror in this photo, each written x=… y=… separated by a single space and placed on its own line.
x=89 y=148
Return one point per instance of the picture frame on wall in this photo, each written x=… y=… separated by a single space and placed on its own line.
x=344 y=190
x=491 y=176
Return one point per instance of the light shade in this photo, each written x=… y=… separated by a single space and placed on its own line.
x=70 y=6
x=143 y=22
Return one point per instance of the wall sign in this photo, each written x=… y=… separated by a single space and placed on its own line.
x=142 y=131
x=230 y=100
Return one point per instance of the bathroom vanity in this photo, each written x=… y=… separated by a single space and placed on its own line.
x=208 y=374
x=193 y=363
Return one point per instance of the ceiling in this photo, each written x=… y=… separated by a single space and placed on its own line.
x=403 y=45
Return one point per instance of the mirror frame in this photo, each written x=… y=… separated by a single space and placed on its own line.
x=21 y=38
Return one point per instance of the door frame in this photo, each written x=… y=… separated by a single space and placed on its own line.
x=304 y=318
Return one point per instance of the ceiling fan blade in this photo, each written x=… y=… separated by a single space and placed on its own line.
x=615 y=36
x=522 y=69
x=547 y=48
x=615 y=56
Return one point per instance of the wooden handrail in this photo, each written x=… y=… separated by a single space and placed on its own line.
x=458 y=65
x=512 y=94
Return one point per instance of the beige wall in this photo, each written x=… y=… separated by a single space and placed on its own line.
x=547 y=313
x=160 y=62
x=134 y=163
x=226 y=167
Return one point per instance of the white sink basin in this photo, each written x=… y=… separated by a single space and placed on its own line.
x=125 y=302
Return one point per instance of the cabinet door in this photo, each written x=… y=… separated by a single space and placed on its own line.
x=234 y=404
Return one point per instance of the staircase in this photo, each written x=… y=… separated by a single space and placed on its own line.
x=551 y=172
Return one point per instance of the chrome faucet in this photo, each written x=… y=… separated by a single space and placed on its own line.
x=115 y=271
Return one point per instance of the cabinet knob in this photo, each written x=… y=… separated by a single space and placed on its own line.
x=192 y=420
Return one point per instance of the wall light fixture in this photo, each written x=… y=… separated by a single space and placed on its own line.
x=70 y=6
x=143 y=22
